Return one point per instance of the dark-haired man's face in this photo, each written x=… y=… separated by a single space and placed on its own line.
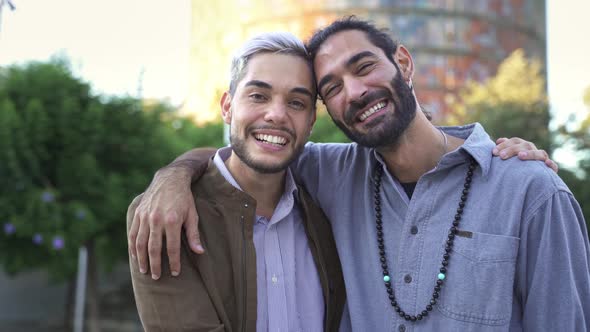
x=364 y=92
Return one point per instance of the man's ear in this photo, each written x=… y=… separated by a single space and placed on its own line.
x=225 y=104
x=404 y=60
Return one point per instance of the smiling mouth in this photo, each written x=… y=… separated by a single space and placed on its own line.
x=375 y=108
x=271 y=139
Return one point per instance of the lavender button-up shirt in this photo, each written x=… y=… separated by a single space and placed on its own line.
x=288 y=285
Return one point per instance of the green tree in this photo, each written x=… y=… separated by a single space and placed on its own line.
x=324 y=129
x=70 y=163
x=512 y=103
x=576 y=134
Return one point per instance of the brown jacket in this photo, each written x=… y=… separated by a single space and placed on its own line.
x=216 y=291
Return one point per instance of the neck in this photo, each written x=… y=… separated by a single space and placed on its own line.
x=265 y=188
x=418 y=150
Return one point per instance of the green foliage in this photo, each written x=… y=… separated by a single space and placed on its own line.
x=516 y=120
x=325 y=131
x=579 y=187
x=512 y=103
x=577 y=132
x=72 y=161
x=577 y=135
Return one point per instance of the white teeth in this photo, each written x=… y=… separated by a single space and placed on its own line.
x=271 y=139
x=372 y=110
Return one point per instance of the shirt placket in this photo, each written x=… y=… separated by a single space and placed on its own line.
x=407 y=261
x=277 y=294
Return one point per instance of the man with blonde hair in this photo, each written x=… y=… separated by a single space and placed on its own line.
x=271 y=263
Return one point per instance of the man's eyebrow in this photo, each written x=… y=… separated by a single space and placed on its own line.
x=302 y=91
x=260 y=84
x=355 y=58
x=264 y=85
x=324 y=81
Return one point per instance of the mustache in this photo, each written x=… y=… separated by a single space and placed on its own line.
x=357 y=105
x=269 y=127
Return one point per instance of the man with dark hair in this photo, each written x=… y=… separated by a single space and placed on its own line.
x=433 y=232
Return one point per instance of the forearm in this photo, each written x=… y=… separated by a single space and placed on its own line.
x=190 y=165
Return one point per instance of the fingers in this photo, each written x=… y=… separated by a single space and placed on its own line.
x=501 y=140
x=173 y=229
x=132 y=236
x=508 y=148
x=533 y=155
x=500 y=144
x=158 y=226
x=539 y=155
x=553 y=165
x=149 y=243
x=141 y=244
x=155 y=252
x=192 y=231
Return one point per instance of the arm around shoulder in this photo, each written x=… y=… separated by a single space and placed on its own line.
x=165 y=208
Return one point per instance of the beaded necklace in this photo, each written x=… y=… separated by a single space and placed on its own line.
x=448 y=247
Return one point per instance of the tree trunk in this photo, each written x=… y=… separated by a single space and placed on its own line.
x=92 y=292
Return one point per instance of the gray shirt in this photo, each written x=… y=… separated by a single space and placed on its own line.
x=521 y=264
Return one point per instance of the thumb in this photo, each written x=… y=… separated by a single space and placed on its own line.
x=192 y=231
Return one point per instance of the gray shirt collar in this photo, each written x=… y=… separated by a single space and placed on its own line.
x=477 y=144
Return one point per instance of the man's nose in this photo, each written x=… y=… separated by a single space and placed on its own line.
x=355 y=89
x=276 y=113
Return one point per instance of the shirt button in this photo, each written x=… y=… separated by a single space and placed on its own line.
x=274 y=279
x=408 y=278
x=402 y=328
x=414 y=230
x=246 y=205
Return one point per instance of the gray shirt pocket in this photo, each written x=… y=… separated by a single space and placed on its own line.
x=480 y=279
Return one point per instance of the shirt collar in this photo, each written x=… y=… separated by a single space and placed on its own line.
x=477 y=144
x=219 y=160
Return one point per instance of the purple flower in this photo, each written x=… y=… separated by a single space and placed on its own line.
x=80 y=214
x=9 y=228
x=47 y=197
x=58 y=243
x=37 y=239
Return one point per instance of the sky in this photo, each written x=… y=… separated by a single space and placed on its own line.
x=568 y=63
x=116 y=44
x=110 y=43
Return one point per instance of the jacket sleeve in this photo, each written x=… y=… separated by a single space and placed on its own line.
x=179 y=303
x=553 y=269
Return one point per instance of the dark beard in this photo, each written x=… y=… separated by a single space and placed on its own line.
x=394 y=125
x=238 y=145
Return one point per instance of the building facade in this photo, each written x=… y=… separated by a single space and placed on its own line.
x=452 y=41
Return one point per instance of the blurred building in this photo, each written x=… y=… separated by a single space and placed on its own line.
x=452 y=41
